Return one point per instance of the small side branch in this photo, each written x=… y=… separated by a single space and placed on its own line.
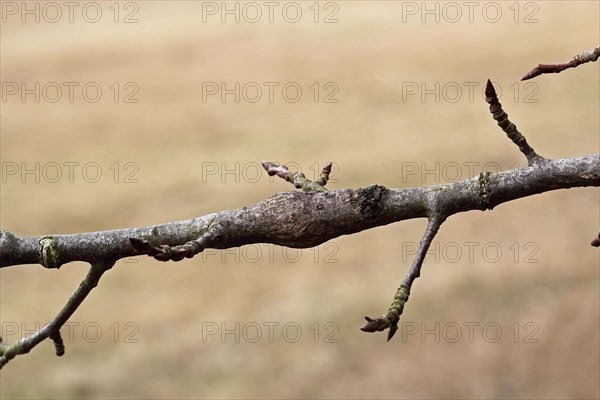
x=585 y=57
x=165 y=252
x=508 y=127
x=391 y=318
x=52 y=330
x=298 y=179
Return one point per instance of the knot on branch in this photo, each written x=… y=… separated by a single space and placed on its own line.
x=298 y=179
x=485 y=191
x=49 y=255
x=368 y=201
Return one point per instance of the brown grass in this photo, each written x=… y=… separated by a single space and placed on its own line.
x=369 y=134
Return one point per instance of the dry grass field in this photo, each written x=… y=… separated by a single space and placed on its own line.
x=508 y=304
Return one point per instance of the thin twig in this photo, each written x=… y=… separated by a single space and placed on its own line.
x=298 y=179
x=52 y=330
x=391 y=318
x=585 y=57
x=508 y=127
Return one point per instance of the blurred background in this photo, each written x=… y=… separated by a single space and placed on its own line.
x=124 y=114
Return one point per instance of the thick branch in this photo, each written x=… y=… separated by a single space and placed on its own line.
x=306 y=219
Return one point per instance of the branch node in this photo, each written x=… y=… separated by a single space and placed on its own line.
x=49 y=255
x=59 y=345
x=485 y=191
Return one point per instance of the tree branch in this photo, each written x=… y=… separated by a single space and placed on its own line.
x=303 y=219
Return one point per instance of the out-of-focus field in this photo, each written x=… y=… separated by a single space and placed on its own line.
x=507 y=306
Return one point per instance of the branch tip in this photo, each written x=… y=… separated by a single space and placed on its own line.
x=596 y=241
x=490 y=92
